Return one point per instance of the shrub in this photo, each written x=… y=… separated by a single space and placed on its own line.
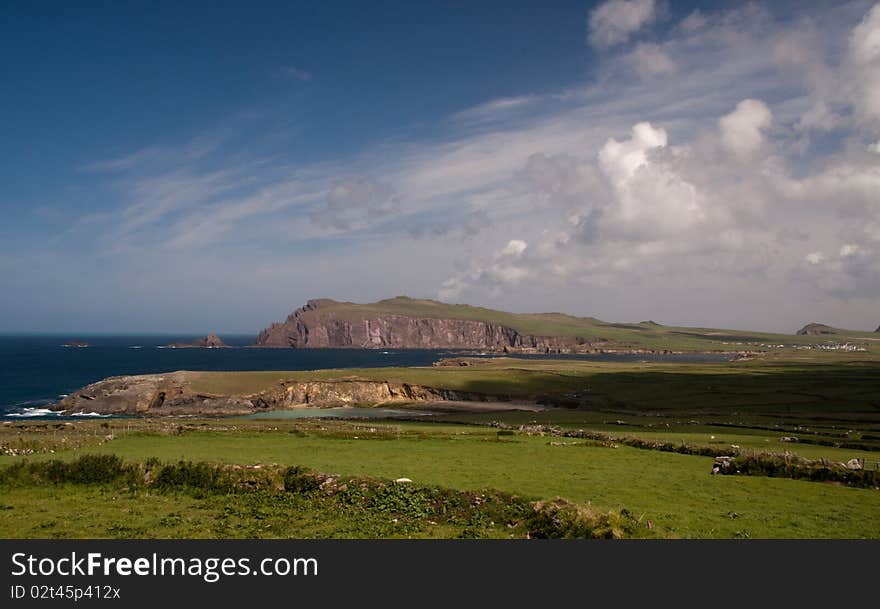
x=186 y=474
x=298 y=480
x=90 y=469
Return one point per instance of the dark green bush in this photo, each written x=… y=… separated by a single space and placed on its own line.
x=90 y=469
x=298 y=480
x=186 y=474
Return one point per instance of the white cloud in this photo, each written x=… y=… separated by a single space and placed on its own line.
x=742 y=131
x=864 y=58
x=356 y=203
x=514 y=248
x=502 y=272
x=620 y=160
x=651 y=61
x=495 y=109
x=632 y=193
x=616 y=20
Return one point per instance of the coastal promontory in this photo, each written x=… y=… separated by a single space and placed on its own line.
x=407 y=323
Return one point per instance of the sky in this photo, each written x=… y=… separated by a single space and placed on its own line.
x=195 y=167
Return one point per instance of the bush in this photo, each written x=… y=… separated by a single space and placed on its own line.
x=186 y=474
x=776 y=466
x=298 y=480
x=90 y=469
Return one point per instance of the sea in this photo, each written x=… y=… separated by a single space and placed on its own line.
x=38 y=370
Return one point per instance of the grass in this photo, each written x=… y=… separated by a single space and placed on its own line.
x=829 y=401
x=132 y=500
x=845 y=385
x=674 y=491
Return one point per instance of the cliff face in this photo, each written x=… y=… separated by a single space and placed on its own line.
x=171 y=394
x=313 y=326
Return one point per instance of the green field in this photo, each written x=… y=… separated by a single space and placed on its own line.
x=825 y=406
x=675 y=492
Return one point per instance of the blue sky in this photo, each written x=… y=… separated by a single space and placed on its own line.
x=188 y=167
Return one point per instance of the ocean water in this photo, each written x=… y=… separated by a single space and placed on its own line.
x=36 y=370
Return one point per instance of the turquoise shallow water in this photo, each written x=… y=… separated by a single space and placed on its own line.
x=347 y=412
x=36 y=371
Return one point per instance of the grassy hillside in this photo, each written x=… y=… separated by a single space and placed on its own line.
x=645 y=334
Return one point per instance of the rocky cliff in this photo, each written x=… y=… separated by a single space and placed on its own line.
x=319 y=324
x=172 y=394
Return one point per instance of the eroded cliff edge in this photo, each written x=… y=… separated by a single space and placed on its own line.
x=323 y=324
x=174 y=394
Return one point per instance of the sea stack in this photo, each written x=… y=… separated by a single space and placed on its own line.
x=211 y=341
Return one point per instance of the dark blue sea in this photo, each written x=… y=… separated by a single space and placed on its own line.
x=36 y=370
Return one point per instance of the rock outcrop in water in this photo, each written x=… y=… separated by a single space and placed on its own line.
x=211 y=341
x=172 y=394
x=320 y=324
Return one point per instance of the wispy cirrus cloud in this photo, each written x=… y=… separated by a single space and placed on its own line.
x=615 y=21
x=634 y=187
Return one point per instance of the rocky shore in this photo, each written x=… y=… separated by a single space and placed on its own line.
x=172 y=394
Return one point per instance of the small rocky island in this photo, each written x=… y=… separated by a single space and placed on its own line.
x=211 y=341
x=76 y=343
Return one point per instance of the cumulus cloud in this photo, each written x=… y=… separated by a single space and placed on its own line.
x=633 y=193
x=615 y=21
x=742 y=131
x=851 y=272
x=864 y=59
x=503 y=271
x=356 y=203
